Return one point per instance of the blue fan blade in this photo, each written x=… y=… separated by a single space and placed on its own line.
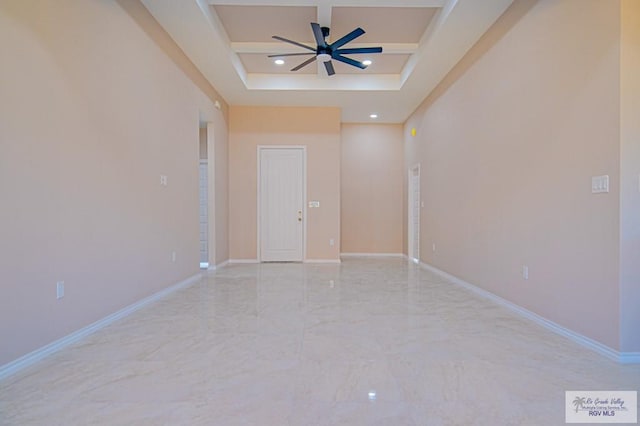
x=359 y=50
x=346 y=39
x=349 y=61
x=317 y=33
x=304 y=64
x=294 y=42
x=329 y=66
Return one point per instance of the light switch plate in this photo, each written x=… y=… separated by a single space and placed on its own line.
x=314 y=204
x=599 y=184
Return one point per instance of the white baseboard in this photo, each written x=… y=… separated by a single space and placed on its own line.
x=620 y=357
x=252 y=261
x=629 y=357
x=372 y=255
x=218 y=266
x=37 y=355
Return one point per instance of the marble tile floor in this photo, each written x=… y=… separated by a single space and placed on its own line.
x=367 y=342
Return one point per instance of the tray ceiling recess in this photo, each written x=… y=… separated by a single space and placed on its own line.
x=231 y=41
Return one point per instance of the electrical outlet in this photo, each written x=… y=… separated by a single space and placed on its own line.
x=173 y=256
x=163 y=180
x=433 y=247
x=331 y=242
x=525 y=272
x=59 y=289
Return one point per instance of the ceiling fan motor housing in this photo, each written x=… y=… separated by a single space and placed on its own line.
x=324 y=52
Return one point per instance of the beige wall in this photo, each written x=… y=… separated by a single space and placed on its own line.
x=316 y=128
x=92 y=112
x=155 y=32
x=371 y=188
x=630 y=177
x=508 y=150
x=213 y=119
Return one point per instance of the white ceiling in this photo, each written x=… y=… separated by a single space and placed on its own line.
x=229 y=41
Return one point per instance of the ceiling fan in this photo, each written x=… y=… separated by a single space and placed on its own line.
x=325 y=52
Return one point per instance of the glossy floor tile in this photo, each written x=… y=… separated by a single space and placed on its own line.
x=367 y=342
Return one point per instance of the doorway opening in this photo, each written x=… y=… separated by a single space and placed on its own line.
x=414 y=207
x=203 y=189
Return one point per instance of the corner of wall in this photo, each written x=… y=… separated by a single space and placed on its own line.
x=629 y=176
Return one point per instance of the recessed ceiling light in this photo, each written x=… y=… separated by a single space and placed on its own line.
x=366 y=62
x=373 y=116
x=279 y=61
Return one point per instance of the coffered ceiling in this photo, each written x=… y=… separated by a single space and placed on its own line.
x=230 y=41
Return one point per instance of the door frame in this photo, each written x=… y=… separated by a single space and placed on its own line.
x=259 y=150
x=410 y=211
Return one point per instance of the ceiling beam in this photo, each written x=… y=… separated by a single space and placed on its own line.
x=324 y=15
x=343 y=82
x=332 y=3
x=270 y=48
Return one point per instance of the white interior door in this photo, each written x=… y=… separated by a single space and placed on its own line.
x=281 y=204
x=414 y=213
